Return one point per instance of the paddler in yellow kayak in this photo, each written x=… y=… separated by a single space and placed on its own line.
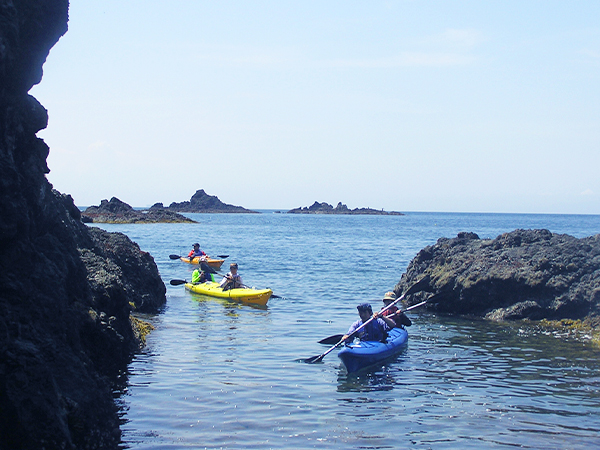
x=232 y=279
x=200 y=275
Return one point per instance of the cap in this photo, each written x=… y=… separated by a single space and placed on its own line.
x=364 y=307
x=389 y=296
x=196 y=245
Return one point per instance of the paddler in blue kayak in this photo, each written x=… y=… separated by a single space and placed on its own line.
x=376 y=330
x=394 y=313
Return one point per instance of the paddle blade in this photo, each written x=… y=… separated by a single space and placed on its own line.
x=177 y=282
x=174 y=256
x=331 y=340
x=314 y=359
x=223 y=256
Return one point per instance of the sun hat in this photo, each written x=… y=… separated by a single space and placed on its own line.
x=389 y=296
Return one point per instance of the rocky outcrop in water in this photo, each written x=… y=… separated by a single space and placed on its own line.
x=116 y=211
x=524 y=274
x=66 y=291
x=326 y=208
x=201 y=202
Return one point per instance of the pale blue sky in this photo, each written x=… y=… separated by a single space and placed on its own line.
x=467 y=106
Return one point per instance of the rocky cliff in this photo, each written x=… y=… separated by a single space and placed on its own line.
x=66 y=290
x=524 y=274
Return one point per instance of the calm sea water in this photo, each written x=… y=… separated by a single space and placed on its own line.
x=218 y=375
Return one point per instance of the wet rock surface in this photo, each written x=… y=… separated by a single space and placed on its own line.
x=524 y=274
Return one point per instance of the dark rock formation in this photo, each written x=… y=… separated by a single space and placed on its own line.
x=66 y=291
x=326 y=208
x=524 y=274
x=201 y=202
x=116 y=211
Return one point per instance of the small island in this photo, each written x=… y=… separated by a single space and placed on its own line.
x=326 y=208
x=117 y=211
x=201 y=202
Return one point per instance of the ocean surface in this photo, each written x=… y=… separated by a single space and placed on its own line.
x=221 y=375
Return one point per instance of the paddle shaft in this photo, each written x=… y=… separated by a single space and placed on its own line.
x=337 y=337
x=323 y=355
x=179 y=257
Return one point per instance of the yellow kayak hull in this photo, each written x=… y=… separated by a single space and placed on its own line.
x=243 y=295
x=214 y=263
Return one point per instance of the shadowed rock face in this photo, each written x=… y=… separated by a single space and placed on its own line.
x=66 y=290
x=524 y=274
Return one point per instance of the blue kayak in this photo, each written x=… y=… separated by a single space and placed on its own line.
x=366 y=353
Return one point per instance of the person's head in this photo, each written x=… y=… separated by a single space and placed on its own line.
x=364 y=311
x=196 y=246
x=388 y=298
x=233 y=267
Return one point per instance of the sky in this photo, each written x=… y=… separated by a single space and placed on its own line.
x=408 y=105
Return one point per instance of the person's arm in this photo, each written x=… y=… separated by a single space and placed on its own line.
x=388 y=321
x=351 y=331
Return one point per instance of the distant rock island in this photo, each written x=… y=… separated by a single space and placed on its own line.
x=201 y=202
x=326 y=208
x=116 y=211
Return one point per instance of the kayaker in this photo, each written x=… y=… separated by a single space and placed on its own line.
x=232 y=279
x=376 y=330
x=394 y=313
x=201 y=276
x=196 y=251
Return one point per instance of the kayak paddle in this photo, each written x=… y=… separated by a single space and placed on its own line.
x=336 y=337
x=414 y=288
x=179 y=257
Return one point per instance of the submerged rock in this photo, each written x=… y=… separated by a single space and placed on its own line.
x=524 y=274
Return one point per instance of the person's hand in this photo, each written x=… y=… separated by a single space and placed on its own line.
x=375 y=315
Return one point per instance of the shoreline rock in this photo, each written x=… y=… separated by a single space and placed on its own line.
x=326 y=208
x=524 y=274
x=116 y=211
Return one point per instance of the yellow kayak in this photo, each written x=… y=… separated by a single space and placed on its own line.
x=244 y=295
x=214 y=263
